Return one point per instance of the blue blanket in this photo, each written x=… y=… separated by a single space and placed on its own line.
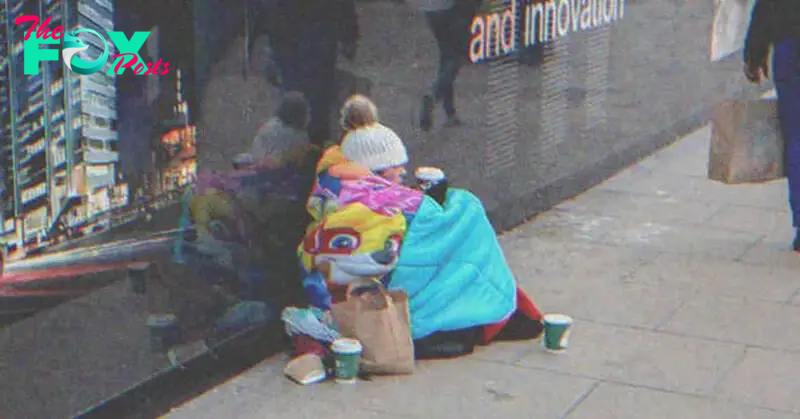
x=452 y=267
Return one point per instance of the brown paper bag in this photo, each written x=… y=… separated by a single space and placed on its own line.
x=746 y=142
x=380 y=320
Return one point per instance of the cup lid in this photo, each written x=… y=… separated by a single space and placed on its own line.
x=346 y=345
x=558 y=318
x=429 y=173
x=161 y=319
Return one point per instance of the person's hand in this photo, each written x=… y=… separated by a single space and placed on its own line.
x=349 y=49
x=269 y=163
x=755 y=73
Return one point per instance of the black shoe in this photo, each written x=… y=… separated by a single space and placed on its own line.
x=520 y=327
x=426 y=113
x=796 y=243
x=442 y=345
x=443 y=350
x=452 y=121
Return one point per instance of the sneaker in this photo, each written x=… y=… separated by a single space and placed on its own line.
x=796 y=243
x=426 y=113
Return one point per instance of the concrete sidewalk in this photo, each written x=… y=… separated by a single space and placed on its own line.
x=686 y=300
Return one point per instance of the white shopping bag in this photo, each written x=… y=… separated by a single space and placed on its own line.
x=729 y=27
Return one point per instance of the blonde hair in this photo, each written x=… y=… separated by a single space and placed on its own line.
x=358 y=111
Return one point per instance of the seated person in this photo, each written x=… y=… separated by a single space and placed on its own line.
x=446 y=258
x=284 y=131
x=226 y=208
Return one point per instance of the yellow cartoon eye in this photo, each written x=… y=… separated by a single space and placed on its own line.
x=343 y=241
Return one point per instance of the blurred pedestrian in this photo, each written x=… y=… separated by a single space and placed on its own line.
x=776 y=24
x=450 y=21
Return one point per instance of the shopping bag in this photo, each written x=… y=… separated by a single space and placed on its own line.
x=729 y=27
x=380 y=320
x=746 y=142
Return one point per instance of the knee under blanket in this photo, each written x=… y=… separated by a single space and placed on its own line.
x=452 y=267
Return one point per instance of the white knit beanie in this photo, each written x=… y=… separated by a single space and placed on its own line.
x=375 y=146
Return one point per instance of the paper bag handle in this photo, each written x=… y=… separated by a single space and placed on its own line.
x=369 y=283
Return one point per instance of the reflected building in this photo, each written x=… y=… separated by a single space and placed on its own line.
x=176 y=161
x=59 y=139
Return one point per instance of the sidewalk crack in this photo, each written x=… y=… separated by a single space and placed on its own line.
x=793 y=296
x=665 y=321
x=730 y=369
x=580 y=400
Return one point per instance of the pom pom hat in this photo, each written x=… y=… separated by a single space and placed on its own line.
x=376 y=147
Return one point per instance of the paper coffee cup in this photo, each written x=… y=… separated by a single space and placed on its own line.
x=556 y=332
x=430 y=174
x=433 y=182
x=137 y=275
x=164 y=331
x=347 y=355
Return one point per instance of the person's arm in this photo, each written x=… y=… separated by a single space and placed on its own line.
x=349 y=171
x=759 y=34
x=259 y=148
x=266 y=140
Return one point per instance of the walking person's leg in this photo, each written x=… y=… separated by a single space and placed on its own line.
x=439 y=23
x=445 y=83
x=786 y=70
x=460 y=33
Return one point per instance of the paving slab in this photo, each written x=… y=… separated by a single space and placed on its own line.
x=669 y=234
x=641 y=358
x=467 y=388
x=696 y=274
x=690 y=239
x=612 y=401
x=687 y=158
x=691 y=188
x=615 y=302
x=655 y=178
x=757 y=323
x=770 y=222
x=641 y=207
x=765 y=378
x=258 y=409
x=562 y=265
x=774 y=251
